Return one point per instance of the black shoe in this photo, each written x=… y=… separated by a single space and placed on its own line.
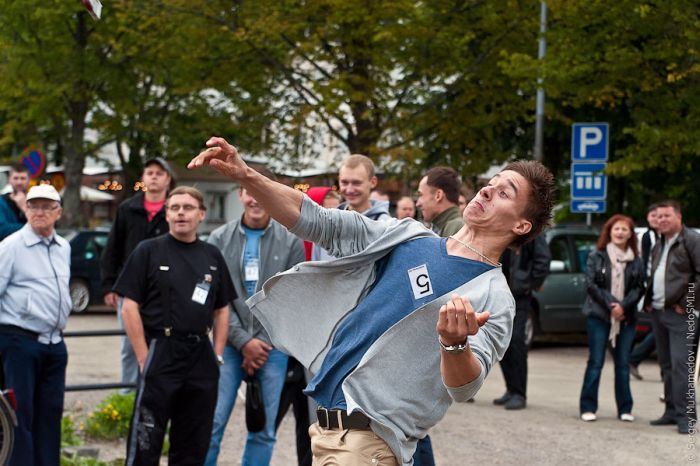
x=663 y=421
x=683 y=427
x=471 y=400
x=634 y=370
x=515 y=402
x=502 y=400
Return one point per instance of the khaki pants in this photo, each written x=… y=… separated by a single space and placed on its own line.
x=351 y=447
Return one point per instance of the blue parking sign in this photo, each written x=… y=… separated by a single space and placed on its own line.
x=588 y=181
x=589 y=142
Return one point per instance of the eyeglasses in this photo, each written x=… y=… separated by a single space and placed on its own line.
x=186 y=207
x=44 y=208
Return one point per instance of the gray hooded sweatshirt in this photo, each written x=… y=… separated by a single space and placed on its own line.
x=397 y=383
x=379 y=210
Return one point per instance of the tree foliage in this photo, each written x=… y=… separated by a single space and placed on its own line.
x=412 y=84
x=634 y=64
x=142 y=77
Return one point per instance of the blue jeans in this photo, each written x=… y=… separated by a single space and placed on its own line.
x=259 y=445
x=598 y=331
x=130 y=367
x=423 y=455
x=37 y=373
x=644 y=349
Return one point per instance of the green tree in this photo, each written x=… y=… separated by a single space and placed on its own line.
x=160 y=97
x=416 y=83
x=144 y=77
x=634 y=64
x=51 y=71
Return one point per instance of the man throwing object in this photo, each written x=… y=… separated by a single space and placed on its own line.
x=390 y=329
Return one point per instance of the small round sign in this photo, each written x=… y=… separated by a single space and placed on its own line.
x=34 y=160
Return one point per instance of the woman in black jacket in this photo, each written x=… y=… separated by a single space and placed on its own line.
x=615 y=279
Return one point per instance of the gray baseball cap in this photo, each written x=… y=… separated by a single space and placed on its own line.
x=162 y=163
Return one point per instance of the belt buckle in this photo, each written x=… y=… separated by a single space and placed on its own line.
x=339 y=414
x=328 y=420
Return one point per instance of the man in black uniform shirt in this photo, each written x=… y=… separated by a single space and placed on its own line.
x=175 y=289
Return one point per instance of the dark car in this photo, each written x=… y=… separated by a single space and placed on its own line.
x=86 y=250
x=557 y=306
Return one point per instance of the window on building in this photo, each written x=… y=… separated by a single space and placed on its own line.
x=216 y=206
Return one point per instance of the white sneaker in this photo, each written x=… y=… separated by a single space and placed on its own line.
x=588 y=417
x=626 y=417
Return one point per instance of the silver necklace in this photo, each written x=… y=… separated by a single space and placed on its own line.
x=472 y=249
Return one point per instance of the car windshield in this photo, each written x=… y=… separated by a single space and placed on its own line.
x=584 y=245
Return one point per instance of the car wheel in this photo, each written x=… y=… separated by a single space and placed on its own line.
x=80 y=295
x=529 y=329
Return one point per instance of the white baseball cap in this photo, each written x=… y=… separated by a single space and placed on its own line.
x=43 y=191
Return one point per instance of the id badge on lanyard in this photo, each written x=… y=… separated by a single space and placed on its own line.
x=201 y=290
x=252 y=268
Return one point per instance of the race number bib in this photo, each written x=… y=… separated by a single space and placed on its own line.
x=420 y=282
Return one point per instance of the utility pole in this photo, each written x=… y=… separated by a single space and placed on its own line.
x=539 y=113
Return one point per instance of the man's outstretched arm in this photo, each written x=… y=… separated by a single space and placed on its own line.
x=281 y=202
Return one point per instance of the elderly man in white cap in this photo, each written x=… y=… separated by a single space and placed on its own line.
x=34 y=306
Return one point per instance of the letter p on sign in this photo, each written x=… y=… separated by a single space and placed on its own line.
x=590 y=136
x=589 y=142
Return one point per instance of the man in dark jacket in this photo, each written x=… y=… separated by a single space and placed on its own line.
x=438 y=196
x=138 y=218
x=649 y=238
x=13 y=204
x=525 y=270
x=675 y=275
x=648 y=344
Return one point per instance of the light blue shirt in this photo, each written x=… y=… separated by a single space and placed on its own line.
x=251 y=258
x=34 y=283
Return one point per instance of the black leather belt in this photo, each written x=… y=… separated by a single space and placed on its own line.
x=15 y=330
x=339 y=419
x=170 y=333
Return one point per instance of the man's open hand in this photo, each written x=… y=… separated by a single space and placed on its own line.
x=222 y=157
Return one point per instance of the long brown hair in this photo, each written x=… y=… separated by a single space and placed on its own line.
x=604 y=238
